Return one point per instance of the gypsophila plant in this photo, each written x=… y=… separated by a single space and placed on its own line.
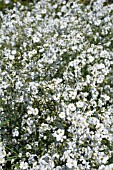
x=56 y=86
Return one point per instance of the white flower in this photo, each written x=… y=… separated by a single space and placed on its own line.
x=106 y=97
x=7 y=1
x=91 y=59
x=36 y=39
x=34 y=51
x=13 y=52
x=23 y=165
x=71 y=163
x=43 y=11
x=58 y=168
x=100 y=103
x=102 y=167
x=100 y=79
x=97 y=22
x=62 y=115
x=28 y=146
x=1 y=168
x=66 y=154
x=104 y=161
x=41 y=50
x=106 y=167
x=59 y=134
x=11 y=57
x=71 y=107
x=51 y=164
x=29 y=112
x=35 y=166
x=80 y=104
x=2 y=160
x=73 y=94
x=2 y=153
x=42 y=161
x=88 y=79
x=18 y=84
x=63 y=9
x=35 y=112
x=65 y=96
x=20 y=155
x=111 y=166
x=15 y=132
x=56 y=155
x=74 y=48
x=56 y=96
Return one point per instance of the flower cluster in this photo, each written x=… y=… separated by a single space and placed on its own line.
x=56 y=86
x=2 y=153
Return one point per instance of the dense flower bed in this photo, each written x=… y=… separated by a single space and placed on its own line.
x=56 y=96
